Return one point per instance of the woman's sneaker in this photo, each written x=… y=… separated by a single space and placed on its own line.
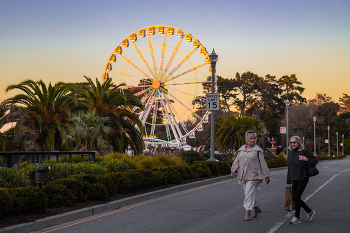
x=295 y=220
x=310 y=215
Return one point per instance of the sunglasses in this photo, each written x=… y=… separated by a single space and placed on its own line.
x=292 y=142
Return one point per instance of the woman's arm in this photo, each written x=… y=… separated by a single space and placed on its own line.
x=311 y=159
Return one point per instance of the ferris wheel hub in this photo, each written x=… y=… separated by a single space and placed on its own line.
x=156 y=84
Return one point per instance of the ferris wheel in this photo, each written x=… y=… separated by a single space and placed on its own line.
x=165 y=67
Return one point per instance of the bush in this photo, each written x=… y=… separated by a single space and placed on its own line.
x=136 y=179
x=107 y=182
x=12 y=178
x=115 y=166
x=172 y=174
x=150 y=163
x=6 y=203
x=77 y=187
x=213 y=166
x=201 y=169
x=98 y=192
x=28 y=200
x=121 y=182
x=58 y=195
x=166 y=160
x=224 y=167
x=158 y=178
x=191 y=156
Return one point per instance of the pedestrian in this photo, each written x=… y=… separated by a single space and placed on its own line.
x=129 y=151
x=298 y=159
x=278 y=150
x=252 y=168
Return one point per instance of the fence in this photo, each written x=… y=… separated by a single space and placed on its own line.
x=11 y=157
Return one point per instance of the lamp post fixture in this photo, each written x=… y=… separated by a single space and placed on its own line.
x=213 y=59
x=287 y=139
x=343 y=145
x=314 y=136
x=329 y=142
x=337 y=143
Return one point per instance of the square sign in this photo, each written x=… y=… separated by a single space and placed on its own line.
x=213 y=101
x=283 y=129
x=326 y=141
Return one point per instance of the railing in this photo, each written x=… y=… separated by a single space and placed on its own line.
x=11 y=157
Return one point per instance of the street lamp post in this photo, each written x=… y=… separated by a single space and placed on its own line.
x=287 y=139
x=329 y=142
x=314 y=136
x=343 y=145
x=337 y=143
x=213 y=59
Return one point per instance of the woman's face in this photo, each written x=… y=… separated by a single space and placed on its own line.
x=252 y=139
x=293 y=143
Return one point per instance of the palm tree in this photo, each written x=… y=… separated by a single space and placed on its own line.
x=230 y=130
x=88 y=133
x=46 y=109
x=107 y=101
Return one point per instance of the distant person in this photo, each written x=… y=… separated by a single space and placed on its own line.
x=278 y=150
x=298 y=157
x=252 y=169
x=129 y=151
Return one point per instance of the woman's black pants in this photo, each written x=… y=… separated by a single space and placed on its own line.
x=298 y=189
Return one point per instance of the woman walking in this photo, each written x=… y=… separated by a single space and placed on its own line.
x=252 y=168
x=298 y=159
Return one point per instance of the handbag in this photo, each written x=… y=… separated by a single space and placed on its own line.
x=289 y=204
x=311 y=170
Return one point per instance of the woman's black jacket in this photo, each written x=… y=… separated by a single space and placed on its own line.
x=296 y=167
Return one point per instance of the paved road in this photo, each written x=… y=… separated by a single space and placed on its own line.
x=218 y=208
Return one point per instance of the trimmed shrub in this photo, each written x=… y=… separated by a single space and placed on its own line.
x=201 y=169
x=77 y=188
x=158 y=178
x=172 y=174
x=6 y=203
x=165 y=160
x=28 y=200
x=12 y=178
x=98 y=192
x=224 y=167
x=107 y=182
x=191 y=156
x=150 y=163
x=213 y=166
x=58 y=195
x=115 y=166
x=136 y=179
x=121 y=182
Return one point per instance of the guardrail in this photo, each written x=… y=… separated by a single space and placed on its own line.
x=11 y=157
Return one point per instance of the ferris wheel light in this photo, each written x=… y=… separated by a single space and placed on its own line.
x=142 y=33
x=118 y=50
x=125 y=43
x=179 y=33
x=161 y=30
x=112 y=58
x=109 y=67
x=188 y=37
x=203 y=52
x=207 y=60
x=171 y=31
x=151 y=30
x=196 y=44
x=133 y=37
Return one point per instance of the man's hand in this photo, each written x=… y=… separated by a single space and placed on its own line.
x=232 y=174
x=267 y=179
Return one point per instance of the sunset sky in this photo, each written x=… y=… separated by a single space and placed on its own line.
x=62 y=40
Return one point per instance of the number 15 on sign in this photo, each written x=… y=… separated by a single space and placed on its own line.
x=212 y=101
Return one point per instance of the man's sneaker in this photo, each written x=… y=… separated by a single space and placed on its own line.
x=310 y=215
x=295 y=220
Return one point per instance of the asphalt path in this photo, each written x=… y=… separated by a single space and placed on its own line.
x=219 y=208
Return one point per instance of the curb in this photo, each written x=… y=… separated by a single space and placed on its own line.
x=99 y=209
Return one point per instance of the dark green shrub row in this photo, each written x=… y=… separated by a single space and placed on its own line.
x=23 y=200
x=326 y=157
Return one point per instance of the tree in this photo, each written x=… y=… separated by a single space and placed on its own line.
x=47 y=109
x=231 y=130
x=246 y=85
x=344 y=103
x=320 y=99
x=292 y=89
x=108 y=101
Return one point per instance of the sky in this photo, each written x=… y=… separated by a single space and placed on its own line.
x=67 y=39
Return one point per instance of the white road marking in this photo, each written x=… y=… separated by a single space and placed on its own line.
x=290 y=214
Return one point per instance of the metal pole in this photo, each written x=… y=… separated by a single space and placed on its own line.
x=329 y=143
x=213 y=59
x=337 y=143
x=287 y=139
x=343 y=145
x=315 y=136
